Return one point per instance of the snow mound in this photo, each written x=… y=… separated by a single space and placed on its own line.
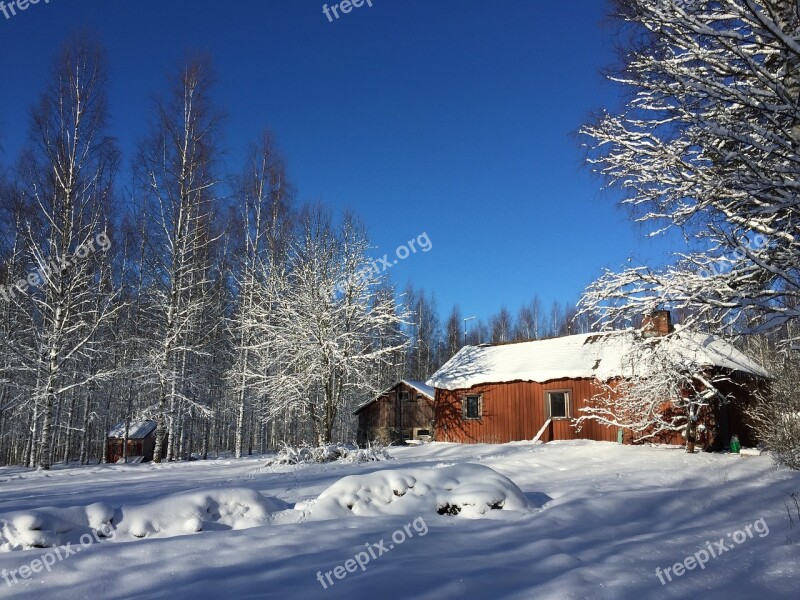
x=49 y=527
x=465 y=490
x=177 y=514
x=190 y=512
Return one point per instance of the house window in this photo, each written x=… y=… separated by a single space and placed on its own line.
x=558 y=404
x=472 y=407
x=403 y=396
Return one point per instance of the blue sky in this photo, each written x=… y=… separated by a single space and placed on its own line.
x=454 y=118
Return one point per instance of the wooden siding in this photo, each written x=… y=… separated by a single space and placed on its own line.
x=516 y=411
x=139 y=447
x=389 y=419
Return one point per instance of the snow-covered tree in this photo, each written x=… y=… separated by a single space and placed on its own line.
x=72 y=163
x=265 y=201
x=175 y=170
x=19 y=412
x=776 y=414
x=708 y=142
x=664 y=390
x=322 y=322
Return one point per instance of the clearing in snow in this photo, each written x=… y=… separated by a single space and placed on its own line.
x=573 y=519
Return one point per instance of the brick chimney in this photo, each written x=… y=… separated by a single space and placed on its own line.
x=657 y=323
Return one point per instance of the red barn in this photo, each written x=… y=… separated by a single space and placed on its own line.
x=497 y=393
x=141 y=441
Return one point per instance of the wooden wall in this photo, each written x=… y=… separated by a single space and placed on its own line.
x=136 y=447
x=516 y=411
x=388 y=417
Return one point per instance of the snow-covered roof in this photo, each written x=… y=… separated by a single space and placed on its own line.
x=136 y=431
x=591 y=355
x=422 y=388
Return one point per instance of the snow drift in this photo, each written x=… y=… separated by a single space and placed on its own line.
x=229 y=508
x=177 y=514
x=49 y=527
x=466 y=490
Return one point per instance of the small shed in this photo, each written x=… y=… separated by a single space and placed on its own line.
x=403 y=412
x=141 y=441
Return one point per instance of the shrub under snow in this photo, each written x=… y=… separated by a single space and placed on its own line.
x=466 y=490
x=177 y=514
x=349 y=453
x=48 y=527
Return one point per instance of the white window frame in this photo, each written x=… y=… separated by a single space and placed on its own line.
x=404 y=395
x=567 y=403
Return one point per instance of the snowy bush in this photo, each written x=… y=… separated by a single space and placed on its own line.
x=777 y=423
x=177 y=514
x=465 y=490
x=348 y=453
x=776 y=414
x=49 y=527
x=194 y=511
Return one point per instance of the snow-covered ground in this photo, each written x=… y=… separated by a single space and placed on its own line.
x=584 y=520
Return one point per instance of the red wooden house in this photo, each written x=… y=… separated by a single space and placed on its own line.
x=496 y=393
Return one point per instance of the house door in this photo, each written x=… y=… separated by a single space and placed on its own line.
x=398 y=411
x=724 y=424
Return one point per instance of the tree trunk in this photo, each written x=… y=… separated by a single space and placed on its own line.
x=70 y=425
x=87 y=408
x=160 y=429
x=691 y=431
x=47 y=426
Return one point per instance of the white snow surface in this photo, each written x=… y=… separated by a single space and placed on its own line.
x=176 y=514
x=472 y=491
x=590 y=355
x=601 y=519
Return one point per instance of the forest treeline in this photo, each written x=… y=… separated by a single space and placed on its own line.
x=214 y=303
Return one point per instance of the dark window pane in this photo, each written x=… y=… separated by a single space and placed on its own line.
x=558 y=404
x=472 y=407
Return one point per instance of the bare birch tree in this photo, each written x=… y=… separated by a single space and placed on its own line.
x=72 y=164
x=176 y=173
x=265 y=196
